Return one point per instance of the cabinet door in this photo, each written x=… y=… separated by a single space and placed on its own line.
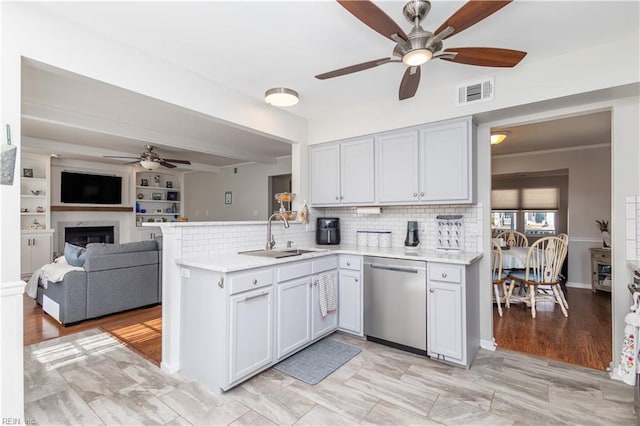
x=325 y=174
x=250 y=332
x=321 y=325
x=356 y=172
x=445 y=319
x=25 y=255
x=397 y=167
x=445 y=163
x=294 y=315
x=41 y=251
x=350 y=301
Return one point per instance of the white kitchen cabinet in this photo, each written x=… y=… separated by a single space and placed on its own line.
x=350 y=295
x=250 y=332
x=446 y=162
x=294 y=315
x=342 y=173
x=397 y=168
x=453 y=317
x=321 y=325
x=36 y=250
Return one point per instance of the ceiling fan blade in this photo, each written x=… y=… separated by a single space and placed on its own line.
x=409 y=83
x=177 y=161
x=117 y=156
x=168 y=165
x=372 y=16
x=471 y=13
x=354 y=68
x=484 y=56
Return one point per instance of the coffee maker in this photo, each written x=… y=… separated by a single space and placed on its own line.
x=327 y=231
x=412 y=240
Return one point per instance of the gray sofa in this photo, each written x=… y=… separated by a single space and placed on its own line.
x=116 y=277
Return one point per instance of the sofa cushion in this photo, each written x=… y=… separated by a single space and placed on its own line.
x=100 y=249
x=74 y=255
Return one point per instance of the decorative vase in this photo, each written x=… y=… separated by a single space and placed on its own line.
x=606 y=239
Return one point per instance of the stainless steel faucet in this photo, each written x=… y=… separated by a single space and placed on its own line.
x=270 y=241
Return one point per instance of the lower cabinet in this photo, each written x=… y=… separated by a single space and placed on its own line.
x=350 y=295
x=250 y=332
x=294 y=315
x=36 y=250
x=453 y=331
x=321 y=325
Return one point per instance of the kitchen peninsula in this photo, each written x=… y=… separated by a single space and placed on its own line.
x=228 y=316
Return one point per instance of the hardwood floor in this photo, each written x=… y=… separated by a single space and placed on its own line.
x=584 y=338
x=140 y=329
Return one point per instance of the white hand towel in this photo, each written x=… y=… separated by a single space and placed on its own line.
x=327 y=292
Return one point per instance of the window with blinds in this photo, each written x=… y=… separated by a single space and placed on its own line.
x=537 y=208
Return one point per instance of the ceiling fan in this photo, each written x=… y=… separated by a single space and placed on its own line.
x=420 y=46
x=150 y=160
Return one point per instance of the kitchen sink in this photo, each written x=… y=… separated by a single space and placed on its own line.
x=276 y=254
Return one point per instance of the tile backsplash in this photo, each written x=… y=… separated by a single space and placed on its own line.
x=395 y=219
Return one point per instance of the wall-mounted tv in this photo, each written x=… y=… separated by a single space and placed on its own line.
x=90 y=189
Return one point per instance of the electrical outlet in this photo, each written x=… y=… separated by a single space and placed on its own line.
x=185 y=273
x=423 y=227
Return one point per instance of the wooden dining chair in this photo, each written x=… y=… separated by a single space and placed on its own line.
x=514 y=238
x=498 y=276
x=542 y=270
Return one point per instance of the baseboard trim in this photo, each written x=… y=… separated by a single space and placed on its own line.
x=578 y=285
x=169 y=368
x=489 y=345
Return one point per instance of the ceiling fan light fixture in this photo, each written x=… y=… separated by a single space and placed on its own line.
x=281 y=97
x=417 y=57
x=498 y=137
x=149 y=164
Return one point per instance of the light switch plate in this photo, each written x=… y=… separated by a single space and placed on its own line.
x=185 y=273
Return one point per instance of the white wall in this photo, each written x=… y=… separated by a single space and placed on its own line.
x=204 y=192
x=589 y=196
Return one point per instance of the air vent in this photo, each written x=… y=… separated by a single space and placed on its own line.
x=477 y=91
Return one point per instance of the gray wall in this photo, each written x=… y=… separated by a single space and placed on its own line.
x=204 y=193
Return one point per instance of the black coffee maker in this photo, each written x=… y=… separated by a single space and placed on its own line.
x=412 y=239
x=328 y=231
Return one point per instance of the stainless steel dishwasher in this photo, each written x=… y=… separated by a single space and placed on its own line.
x=395 y=303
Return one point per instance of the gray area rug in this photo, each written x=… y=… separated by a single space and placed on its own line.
x=316 y=362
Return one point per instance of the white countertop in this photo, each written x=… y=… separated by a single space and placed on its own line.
x=230 y=262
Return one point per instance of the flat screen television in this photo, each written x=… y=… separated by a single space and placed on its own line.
x=90 y=189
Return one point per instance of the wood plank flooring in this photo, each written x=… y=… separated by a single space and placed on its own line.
x=583 y=338
x=140 y=329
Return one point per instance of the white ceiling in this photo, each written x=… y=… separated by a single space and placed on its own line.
x=253 y=46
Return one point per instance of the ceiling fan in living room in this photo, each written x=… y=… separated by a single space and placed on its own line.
x=150 y=160
x=420 y=46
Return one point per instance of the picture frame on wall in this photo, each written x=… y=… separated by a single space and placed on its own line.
x=28 y=173
x=156 y=196
x=228 y=198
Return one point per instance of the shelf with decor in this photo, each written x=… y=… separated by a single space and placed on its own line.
x=158 y=197
x=34 y=192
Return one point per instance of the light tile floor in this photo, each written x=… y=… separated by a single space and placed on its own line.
x=90 y=378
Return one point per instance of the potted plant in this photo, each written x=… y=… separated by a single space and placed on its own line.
x=603 y=225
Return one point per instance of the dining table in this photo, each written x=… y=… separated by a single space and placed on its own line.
x=514 y=258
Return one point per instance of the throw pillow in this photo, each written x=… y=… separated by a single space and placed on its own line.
x=74 y=255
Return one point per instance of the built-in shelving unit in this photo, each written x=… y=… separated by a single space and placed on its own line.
x=158 y=197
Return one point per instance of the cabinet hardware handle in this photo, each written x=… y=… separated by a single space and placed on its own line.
x=348 y=263
x=255 y=282
x=221 y=282
x=415 y=194
x=342 y=197
x=254 y=296
x=431 y=290
x=444 y=275
x=337 y=198
x=310 y=284
x=422 y=194
x=315 y=282
x=356 y=280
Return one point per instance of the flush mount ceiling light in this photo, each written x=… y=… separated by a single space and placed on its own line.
x=149 y=164
x=281 y=97
x=417 y=57
x=498 y=137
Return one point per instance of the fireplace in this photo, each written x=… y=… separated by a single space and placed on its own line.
x=83 y=235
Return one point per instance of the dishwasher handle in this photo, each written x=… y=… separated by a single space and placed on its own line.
x=394 y=268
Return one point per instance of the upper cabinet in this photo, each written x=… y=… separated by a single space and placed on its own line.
x=342 y=173
x=430 y=164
